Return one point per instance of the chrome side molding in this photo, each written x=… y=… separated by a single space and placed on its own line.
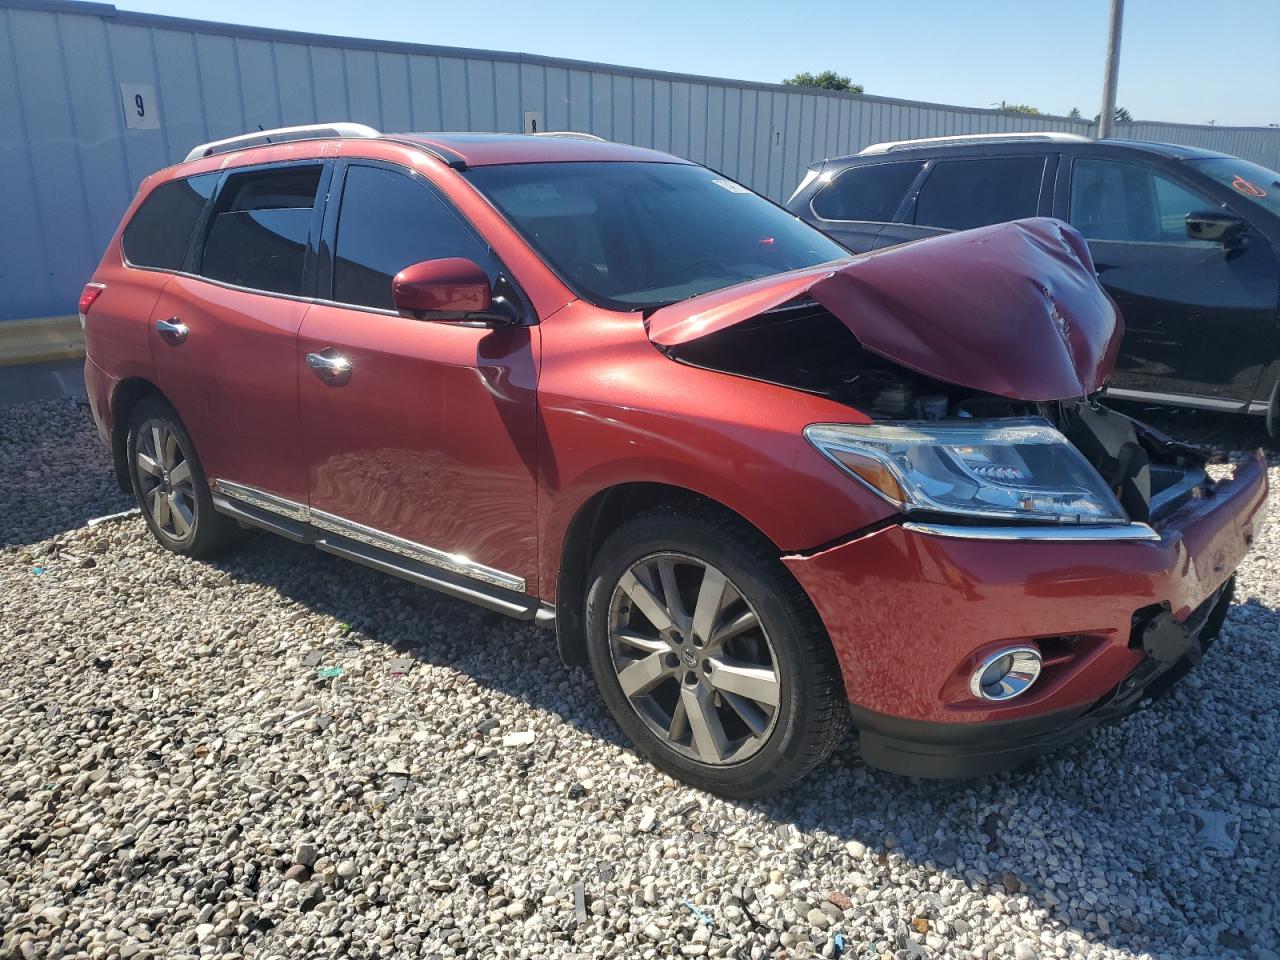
x=332 y=523
x=1080 y=533
x=415 y=551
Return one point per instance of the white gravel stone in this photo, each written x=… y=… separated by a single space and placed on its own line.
x=168 y=754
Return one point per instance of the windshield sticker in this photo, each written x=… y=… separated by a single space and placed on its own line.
x=730 y=185
x=1242 y=185
x=537 y=192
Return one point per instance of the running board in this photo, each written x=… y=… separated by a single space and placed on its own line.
x=521 y=606
x=246 y=513
x=414 y=562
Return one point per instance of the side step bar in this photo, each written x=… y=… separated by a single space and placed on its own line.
x=521 y=606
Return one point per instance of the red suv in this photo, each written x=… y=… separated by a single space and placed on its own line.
x=760 y=486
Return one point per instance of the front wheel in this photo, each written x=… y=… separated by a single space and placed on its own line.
x=709 y=655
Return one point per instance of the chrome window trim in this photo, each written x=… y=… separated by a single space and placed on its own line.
x=321 y=520
x=1082 y=533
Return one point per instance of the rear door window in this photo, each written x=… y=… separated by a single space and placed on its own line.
x=160 y=231
x=387 y=222
x=963 y=194
x=872 y=193
x=259 y=231
x=1128 y=202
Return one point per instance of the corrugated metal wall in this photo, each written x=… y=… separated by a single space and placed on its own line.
x=69 y=164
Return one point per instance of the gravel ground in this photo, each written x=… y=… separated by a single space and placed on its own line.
x=283 y=755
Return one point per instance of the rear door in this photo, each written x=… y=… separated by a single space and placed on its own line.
x=1197 y=313
x=963 y=193
x=224 y=332
x=426 y=446
x=858 y=202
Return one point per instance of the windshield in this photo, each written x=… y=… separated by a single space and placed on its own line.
x=1252 y=181
x=640 y=235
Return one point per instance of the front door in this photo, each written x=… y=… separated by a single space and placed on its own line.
x=1198 y=315
x=224 y=333
x=426 y=443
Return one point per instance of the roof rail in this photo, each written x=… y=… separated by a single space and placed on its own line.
x=310 y=131
x=570 y=135
x=1052 y=135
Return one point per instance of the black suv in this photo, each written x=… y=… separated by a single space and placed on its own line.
x=1184 y=239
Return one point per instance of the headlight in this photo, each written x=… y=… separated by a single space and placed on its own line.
x=1000 y=469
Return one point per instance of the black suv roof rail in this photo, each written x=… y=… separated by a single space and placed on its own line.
x=258 y=138
x=1054 y=135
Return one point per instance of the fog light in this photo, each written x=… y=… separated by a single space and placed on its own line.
x=1006 y=673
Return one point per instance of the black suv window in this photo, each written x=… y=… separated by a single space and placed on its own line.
x=388 y=221
x=963 y=194
x=159 y=232
x=1115 y=200
x=258 y=234
x=871 y=193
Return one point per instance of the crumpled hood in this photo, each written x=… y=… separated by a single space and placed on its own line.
x=1012 y=309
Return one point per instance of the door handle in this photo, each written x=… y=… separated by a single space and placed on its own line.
x=329 y=365
x=172 y=330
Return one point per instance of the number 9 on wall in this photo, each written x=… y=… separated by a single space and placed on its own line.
x=140 y=109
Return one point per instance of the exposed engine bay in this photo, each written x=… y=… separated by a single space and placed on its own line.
x=803 y=346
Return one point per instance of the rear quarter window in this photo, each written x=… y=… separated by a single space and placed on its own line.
x=160 y=231
x=871 y=193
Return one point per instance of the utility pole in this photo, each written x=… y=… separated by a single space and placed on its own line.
x=1107 y=118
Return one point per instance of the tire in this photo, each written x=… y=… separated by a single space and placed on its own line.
x=712 y=669
x=175 y=502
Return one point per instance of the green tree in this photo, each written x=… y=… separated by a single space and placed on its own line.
x=1075 y=113
x=1122 y=116
x=827 y=80
x=1019 y=108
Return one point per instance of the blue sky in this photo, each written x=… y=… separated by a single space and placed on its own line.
x=1182 y=60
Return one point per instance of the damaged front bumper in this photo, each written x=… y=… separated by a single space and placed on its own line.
x=911 y=609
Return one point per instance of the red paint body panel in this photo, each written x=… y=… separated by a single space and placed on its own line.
x=1012 y=309
x=615 y=410
x=433 y=435
x=905 y=609
x=234 y=381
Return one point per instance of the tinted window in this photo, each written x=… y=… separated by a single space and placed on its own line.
x=387 y=222
x=159 y=232
x=866 y=193
x=635 y=235
x=258 y=234
x=1254 y=183
x=1113 y=200
x=962 y=194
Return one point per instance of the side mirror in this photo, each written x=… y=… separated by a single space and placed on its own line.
x=452 y=290
x=1215 y=225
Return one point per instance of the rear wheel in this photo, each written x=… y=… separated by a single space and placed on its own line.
x=170 y=484
x=710 y=656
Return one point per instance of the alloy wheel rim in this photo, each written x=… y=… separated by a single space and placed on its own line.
x=168 y=488
x=693 y=659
